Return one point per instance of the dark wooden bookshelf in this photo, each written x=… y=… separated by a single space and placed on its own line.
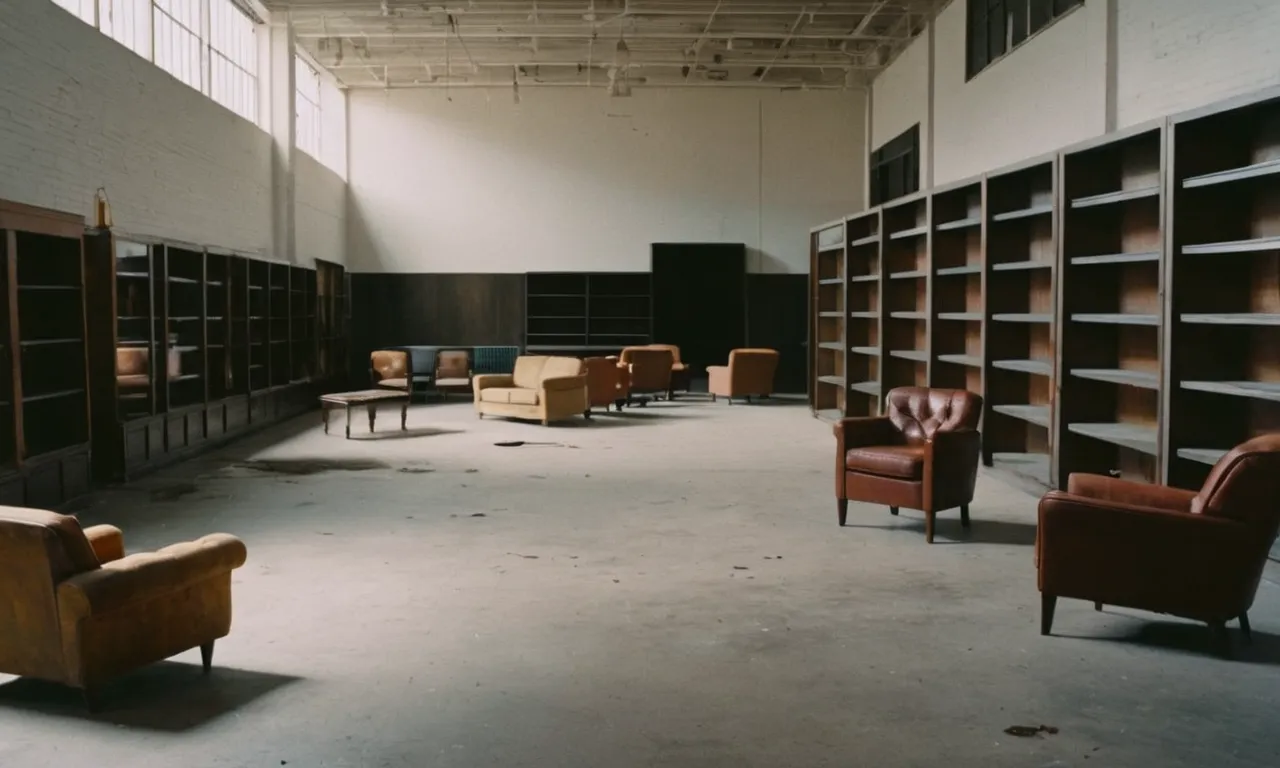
x=956 y=294
x=1109 y=362
x=587 y=312
x=828 y=356
x=1222 y=283
x=1018 y=372
x=905 y=291
x=332 y=312
x=863 y=327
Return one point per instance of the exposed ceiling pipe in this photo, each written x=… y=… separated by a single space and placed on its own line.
x=697 y=47
x=567 y=34
x=745 y=84
x=782 y=48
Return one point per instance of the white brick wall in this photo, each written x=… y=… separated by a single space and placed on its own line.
x=900 y=98
x=1180 y=54
x=573 y=180
x=319 y=204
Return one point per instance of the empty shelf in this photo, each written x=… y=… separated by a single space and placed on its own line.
x=948 y=226
x=1034 y=317
x=828 y=414
x=1132 y=436
x=973 y=361
x=820 y=314
x=903 y=234
x=919 y=355
x=1258 y=390
x=866 y=387
x=868 y=240
x=1116 y=258
x=1233 y=246
x=830 y=248
x=965 y=316
x=47 y=342
x=864 y=278
x=1032 y=465
x=134 y=275
x=1119 y=376
x=831 y=281
x=50 y=395
x=1013 y=266
x=834 y=346
x=868 y=351
x=837 y=380
x=1024 y=213
x=909 y=275
x=1032 y=414
x=1208 y=456
x=964 y=269
x=183 y=280
x=912 y=315
x=1238 y=318
x=864 y=315
x=1121 y=196
x=1117 y=318
x=1264 y=168
x=1037 y=367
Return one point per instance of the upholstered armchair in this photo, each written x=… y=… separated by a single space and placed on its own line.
x=748 y=374
x=1197 y=555
x=607 y=382
x=922 y=455
x=75 y=610
x=679 y=370
x=648 y=369
x=453 y=371
x=389 y=369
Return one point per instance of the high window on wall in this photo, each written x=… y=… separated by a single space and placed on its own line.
x=208 y=44
x=307 y=105
x=996 y=27
x=895 y=167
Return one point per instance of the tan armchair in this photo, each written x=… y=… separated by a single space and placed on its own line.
x=389 y=369
x=75 y=610
x=748 y=374
x=543 y=388
x=649 y=370
x=679 y=370
x=607 y=383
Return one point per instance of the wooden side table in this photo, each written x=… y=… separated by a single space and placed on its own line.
x=369 y=398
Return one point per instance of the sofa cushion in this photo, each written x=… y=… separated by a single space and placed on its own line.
x=512 y=395
x=399 y=383
x=556 y=367
x=904 y=462
x=528 y=371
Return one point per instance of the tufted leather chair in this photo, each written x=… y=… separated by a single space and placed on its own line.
x=1198 y=555
x=922 y=455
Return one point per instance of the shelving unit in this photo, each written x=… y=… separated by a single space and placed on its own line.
x=1222 y=283
x=44 y=413
x=332 y=310
x=183 y=333
x=587 y=312
x=1019 y=264
x=905 y=293
x=278 y=324
x=864 y=330
x=1109 y=359
x=828 y=358
x=956 y=296
x=258 y=320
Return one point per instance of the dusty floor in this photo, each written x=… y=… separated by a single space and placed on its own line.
x=665 y=588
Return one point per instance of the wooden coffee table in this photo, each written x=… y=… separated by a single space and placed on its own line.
x=369 y=398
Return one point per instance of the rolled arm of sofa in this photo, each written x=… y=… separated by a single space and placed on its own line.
x=562 y=383
x=1129 y=492
x=486 y=380
x=147 y=576
x=107 y=542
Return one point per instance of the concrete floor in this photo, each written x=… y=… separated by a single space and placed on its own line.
x=666 y=588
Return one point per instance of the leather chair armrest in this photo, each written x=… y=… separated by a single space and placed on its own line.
x=861 y=431
x=559 y=383
x=486 y=380
x=107 y=542
x=147 y=576
x=1120 y=491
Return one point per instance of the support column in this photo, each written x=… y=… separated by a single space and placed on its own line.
x=931 y=31
x=1112 y=65
x=283 y=116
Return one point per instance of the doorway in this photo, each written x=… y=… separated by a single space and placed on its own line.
x=700 y=301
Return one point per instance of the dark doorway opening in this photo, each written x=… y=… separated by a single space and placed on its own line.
x=700 y=300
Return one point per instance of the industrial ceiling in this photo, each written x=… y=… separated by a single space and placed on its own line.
x=610 y=44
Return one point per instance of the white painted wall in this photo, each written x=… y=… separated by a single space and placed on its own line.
x=1052 y=91
x=573 y=180
x=320 y=211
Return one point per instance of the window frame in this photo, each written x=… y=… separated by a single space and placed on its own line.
x=898 y=157
x=989 y=22
x=313 y=117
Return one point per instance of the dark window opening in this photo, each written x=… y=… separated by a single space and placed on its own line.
x=996 y=27
x=895 y=167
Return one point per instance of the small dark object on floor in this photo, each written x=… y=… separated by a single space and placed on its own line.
x=415 y=470
x=470 y=471
x=740 y=568
x=526 y=557
x=1027 y=731
x=479 y=514
x=311 y=466
x=518 y=443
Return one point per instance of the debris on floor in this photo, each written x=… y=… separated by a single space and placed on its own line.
x=1027 y=731
x=519 y=443
x=311 y=466
x=415 y=470
x=172 y=492
x=479 y=514
x=526 y=557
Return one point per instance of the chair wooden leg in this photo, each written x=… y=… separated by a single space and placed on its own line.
x=586 y=414
x=1221 y=639
x=964 y=515
x=842 y=510
x=1097 y=606
x=206 y=656
x=929 y=515
x=1047 y=604
x=893 y=510
x=1245 y=629
x=713 y=398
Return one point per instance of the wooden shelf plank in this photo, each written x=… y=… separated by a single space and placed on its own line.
x=866 y=387
x=1015 y=266
x=864 y=315
x=829 y=414
x=1131 y=436
x=864 y=279
x=1116 y=318
x=1116 y=258
x=1237 y=318
x=868 y=240
x=820 y=314
x=1233 y=246
x=903 y=234
x=1024 y=213
x=948 y=226
x=1265 y=168
x=836 y=380
x=1032 y=414
x=1035 y=317
x=972 y=361
x=1140 y=379
x=910 y=315
x=1037 y=367
x=1032 y=465
x=909 y=275
x=1120 y=196
x=918 y=355
x=962 y=316
x=830 y=248
x=831 y=281
x=868 y=351
x=834 y=346
x=964 y=269
x=1257 y=390
x=1208 y=456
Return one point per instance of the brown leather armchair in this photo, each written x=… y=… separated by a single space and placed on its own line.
x=75 y=610
x=679 y=370
x=389 y=369
x=922 y=455
x=649 y=371
x=1195 y=555
x=607 y=382
x=749 y=373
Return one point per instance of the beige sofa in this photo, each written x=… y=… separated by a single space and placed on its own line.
x=544 y=388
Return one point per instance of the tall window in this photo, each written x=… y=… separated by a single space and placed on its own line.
x=233 y=59
x=128 y=22
x=307 y=128
x=82 y=8
x=179 y=30
x=996 y=27
x=895 y=167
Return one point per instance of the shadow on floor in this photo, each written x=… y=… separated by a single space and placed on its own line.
x=398 y=434
x=168 y=696
x=1183 y=637
x=949 y=531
